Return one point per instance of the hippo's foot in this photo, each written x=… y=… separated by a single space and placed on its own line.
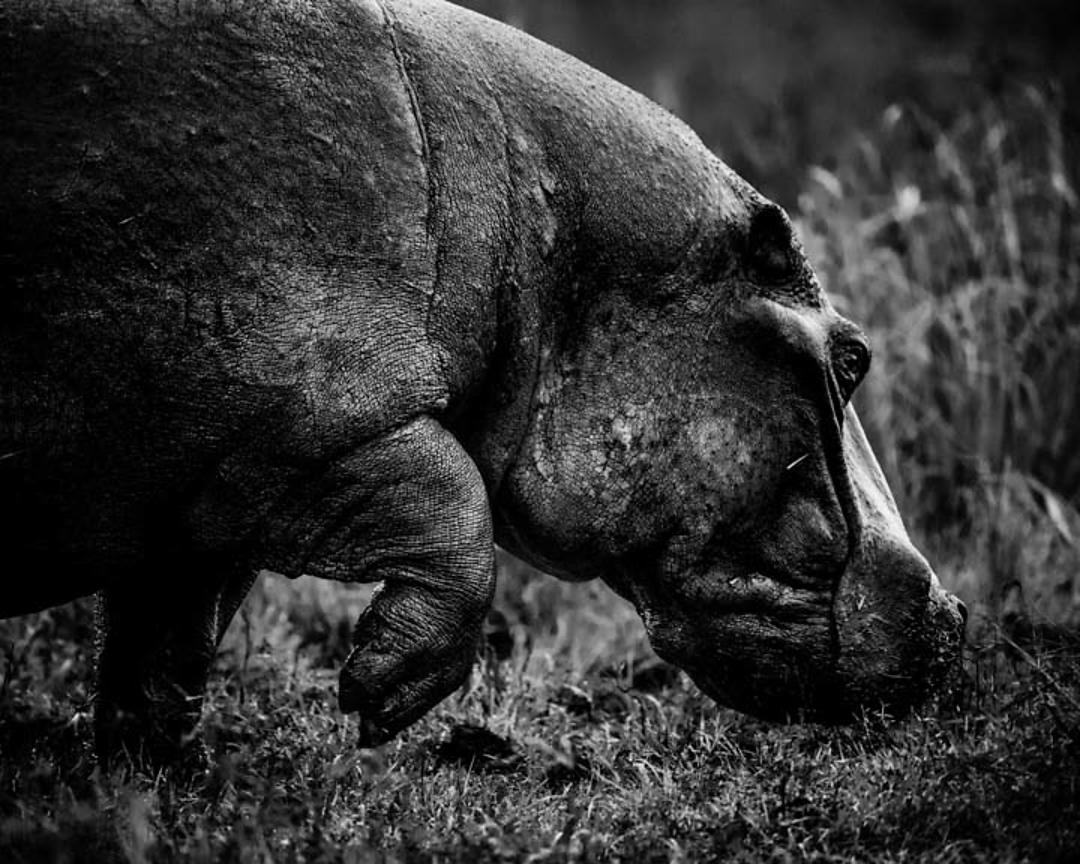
x=433 y=550
x=156 y=640
x=397 y=672
x=149 y=732
x=408 y=509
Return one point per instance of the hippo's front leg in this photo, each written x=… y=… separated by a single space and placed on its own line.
x=408 y=509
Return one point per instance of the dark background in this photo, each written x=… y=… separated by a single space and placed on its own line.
x=773 y=86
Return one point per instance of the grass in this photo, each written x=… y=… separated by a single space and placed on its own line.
x=577 y=745
x=956 y=246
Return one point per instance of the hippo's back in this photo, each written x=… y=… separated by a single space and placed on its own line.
x=212 y=238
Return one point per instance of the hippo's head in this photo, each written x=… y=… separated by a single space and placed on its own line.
x=690 y=441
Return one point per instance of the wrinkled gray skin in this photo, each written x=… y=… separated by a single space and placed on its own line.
x=350 y=289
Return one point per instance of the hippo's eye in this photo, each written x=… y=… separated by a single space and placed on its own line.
x=851 y=361
x=770 y=249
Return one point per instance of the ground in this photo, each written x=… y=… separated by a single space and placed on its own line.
x=571 y=742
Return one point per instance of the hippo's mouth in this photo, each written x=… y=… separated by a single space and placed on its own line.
x=878 y=639
x=770 y=653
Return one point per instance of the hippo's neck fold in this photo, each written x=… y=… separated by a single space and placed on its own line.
x=550 y=186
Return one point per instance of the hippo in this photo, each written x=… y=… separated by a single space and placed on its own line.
x=360 y=288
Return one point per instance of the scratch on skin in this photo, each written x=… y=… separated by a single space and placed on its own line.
x=414 y=100
x=797 y=461
x=425 y=152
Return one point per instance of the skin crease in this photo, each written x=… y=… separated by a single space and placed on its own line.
x=353 y=288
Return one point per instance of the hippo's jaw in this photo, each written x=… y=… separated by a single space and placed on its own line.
x=768 y=653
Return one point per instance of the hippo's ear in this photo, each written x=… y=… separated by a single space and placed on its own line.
x=771 y=253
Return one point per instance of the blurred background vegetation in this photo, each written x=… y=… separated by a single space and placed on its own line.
x=774 y=86
x=928 y=151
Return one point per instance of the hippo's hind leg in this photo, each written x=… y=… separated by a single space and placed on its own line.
x=157 y=637
x=408 y=509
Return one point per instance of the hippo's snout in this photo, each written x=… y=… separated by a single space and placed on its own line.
x=890 y=640
x=898 y=632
